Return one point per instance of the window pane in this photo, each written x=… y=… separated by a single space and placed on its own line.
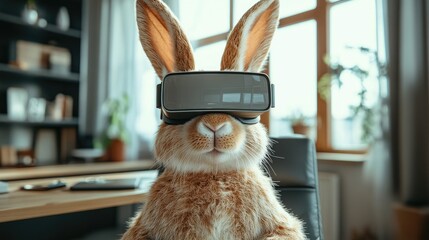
x=352 y=24
x=292 y=7
x=208 y=57
x=287 y=7
x=202 y=19
x=293 y=70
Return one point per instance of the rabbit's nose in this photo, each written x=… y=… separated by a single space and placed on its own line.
x=219 y=130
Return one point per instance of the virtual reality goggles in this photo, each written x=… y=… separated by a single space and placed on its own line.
x=244 y=95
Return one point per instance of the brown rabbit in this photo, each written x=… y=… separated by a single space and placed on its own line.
x=213 y=186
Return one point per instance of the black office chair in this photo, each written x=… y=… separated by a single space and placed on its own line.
x=295 y=174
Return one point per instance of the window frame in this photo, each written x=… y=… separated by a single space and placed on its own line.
x=320 y=15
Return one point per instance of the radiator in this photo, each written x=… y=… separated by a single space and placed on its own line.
x=329 y=191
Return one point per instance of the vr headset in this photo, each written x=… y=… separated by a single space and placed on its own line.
x=244 y=95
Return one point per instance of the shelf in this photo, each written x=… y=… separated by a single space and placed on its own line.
x=73 y=122
x=4 y=68
x=17 y=21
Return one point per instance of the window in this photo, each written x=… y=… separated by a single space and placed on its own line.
x=207 y=57
x=360 y=16
x=198 y=20
x=293 y=70
x=308 y=31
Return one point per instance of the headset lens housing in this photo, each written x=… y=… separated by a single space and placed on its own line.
x=242 y=94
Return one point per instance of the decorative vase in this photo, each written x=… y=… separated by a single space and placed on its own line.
x=63 y=19
x=116 y=150
x=29 y=14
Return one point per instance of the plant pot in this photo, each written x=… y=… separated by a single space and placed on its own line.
x=412 y=222
x=116 y=150
x=302 y=129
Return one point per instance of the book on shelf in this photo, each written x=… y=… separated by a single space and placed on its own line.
x=61 y=108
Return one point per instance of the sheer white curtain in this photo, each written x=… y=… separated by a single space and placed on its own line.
x=118 y=65
x=147 y=116
x=405 y=175
x=378 y=166
x=131 y=72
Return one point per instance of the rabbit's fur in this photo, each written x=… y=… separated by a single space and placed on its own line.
x=213 y=186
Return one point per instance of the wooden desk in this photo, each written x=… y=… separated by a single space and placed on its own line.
x=18 y=204
x=12 y=174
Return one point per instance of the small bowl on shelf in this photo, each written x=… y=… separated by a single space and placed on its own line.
x=87 y=154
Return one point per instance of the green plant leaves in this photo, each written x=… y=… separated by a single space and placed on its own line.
x=117 y=110
x=335 y=77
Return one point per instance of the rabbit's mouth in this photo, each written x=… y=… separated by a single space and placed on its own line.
x=215 y=152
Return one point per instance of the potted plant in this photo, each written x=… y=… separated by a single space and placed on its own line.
x=299 y=124
x=371 y=69
x=115 y=135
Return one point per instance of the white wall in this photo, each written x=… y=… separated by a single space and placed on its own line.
x=356 y=198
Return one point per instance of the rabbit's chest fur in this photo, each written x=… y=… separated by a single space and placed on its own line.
x=208 y=206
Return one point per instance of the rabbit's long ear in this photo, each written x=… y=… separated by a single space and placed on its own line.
x=249 y=42
x=162 y=38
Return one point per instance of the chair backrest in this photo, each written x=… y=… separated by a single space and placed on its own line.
x=295 y=173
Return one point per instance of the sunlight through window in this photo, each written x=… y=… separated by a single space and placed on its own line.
x=293 y=71
x=287 y=7
x=202 y=19
x=352 y=24
x=209 y=56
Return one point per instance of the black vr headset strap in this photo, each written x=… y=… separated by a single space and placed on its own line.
x=169 y=121
x=273 y=96
x=248 y=121
x=158 y=96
